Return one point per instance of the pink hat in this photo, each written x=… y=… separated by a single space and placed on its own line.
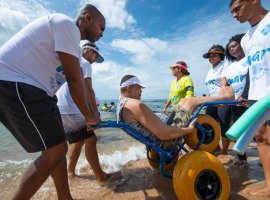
x=178 y=65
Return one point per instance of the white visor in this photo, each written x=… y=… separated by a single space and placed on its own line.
x=85 y=44
x=132 y=81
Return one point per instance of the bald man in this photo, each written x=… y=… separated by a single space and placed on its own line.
x=34 y=63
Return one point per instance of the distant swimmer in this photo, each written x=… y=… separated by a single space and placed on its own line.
x=105 y=107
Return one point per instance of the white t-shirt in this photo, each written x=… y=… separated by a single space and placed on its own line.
x=256 y=45
x=235 y=75
x=31 y=55
x=212 y=80
x=65 y=102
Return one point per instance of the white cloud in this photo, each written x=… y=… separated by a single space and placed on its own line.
x=141 y=50
x=16 y=14
x=114 y=12
x=151 y=57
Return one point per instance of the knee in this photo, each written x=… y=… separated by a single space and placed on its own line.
x=91 y=141
x=55 y=153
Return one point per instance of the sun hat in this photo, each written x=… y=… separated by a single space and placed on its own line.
x=212 y=51
x=178 y=65
x=132 y=81
x=85 y=44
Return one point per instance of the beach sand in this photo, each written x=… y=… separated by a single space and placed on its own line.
x=140 y=181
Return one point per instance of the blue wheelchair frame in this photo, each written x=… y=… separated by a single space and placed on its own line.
x=165 y=156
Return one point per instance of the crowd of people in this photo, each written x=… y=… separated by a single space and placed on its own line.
x=53 y=61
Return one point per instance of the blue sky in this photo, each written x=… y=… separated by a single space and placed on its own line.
x=142 y=37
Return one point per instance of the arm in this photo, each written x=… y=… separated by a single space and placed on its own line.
x=76 y=85
x=138 y=111
x=92 y=96
x=189 y=87
x=168 y=103
x=192 y=103
x=244 y=96
x=223 y=81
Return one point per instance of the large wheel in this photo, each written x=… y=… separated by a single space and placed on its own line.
x=212 y=136
x=200 y=175
x=154 y=155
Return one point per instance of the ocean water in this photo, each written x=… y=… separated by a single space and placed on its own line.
x=115 y=149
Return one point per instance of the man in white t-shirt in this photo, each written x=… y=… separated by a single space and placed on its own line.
x=34 y=63
x=73 y=120
x=256 y=45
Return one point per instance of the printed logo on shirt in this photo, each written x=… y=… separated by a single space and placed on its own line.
x=59 y=78
x=259 y=71
x=237 y=79
x=212 y=82
x=60 y=75
x=258 y=56
x=266 y=30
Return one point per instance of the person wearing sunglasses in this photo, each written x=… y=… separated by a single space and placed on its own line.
x=216 y=55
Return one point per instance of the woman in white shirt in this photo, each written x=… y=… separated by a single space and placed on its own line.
x=235 y=76
x=216 y=55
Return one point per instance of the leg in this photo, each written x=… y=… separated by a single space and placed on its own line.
x=92 y=158
x=264 y=153
x=60 y=179
x=225 y=145
x=74 y=154
x=37 y=173
x=224 y=113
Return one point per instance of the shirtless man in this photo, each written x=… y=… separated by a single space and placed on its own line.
x=134 y=112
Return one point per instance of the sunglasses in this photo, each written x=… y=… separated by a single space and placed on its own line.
x=214 y=55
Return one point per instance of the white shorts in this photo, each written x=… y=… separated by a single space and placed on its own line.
x=73 y=122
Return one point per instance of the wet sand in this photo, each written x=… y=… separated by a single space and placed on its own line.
x=140 y=181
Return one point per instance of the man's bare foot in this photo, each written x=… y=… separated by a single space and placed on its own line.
x=265 y=192
x=110 y=177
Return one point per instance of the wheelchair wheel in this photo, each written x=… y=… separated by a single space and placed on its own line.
x=200 y=175
x=154 y=155
x=212 y=136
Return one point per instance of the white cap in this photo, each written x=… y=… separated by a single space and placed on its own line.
x=132 y=81
x=85 y=44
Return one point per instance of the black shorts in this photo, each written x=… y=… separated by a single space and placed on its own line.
x=237 y=111
x=223 y=115
x=31 y=116
x=80 y=135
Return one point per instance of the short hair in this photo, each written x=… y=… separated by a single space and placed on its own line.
x=236 y=38
x=232 y=2
x=184 y=71
x=220 y=47
x=125 y=78
x=87 y=8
